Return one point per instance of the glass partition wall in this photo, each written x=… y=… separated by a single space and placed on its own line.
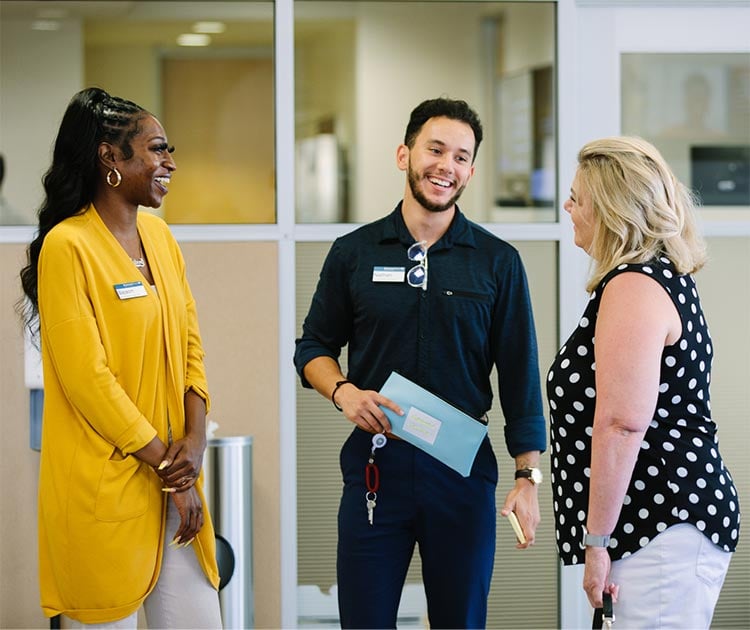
x=351 y=107
x=206 y=69
x=695 y=107
x=211 y=81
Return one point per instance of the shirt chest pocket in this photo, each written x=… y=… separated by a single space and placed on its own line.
x=465 y=306
x=464 y=294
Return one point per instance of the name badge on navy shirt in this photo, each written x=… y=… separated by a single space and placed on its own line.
x=129 y=290
x=388 y=274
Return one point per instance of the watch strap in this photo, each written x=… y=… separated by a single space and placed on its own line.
x=593 y=540
x=532 y=474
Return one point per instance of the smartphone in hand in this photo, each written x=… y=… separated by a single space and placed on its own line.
x=517 y=527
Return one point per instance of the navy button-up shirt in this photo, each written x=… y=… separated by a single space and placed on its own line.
x=475 y=314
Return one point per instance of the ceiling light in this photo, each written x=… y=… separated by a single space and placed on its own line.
x=209 y=27
x=45 y=25
x=193 y=39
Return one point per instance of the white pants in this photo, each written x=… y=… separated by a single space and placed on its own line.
x=673 y=582
x=182 y=598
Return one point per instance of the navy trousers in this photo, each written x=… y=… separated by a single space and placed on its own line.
x=420 y=502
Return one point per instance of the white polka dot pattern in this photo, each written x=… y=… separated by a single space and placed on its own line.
x=679 y=475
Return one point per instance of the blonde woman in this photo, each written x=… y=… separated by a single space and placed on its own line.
x=641 y=494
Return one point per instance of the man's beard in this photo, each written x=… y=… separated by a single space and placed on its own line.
x=426 y=203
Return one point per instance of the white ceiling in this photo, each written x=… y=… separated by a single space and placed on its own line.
x=135 y=11
x=147 y=22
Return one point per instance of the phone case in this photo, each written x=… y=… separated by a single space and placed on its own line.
x=517 y=527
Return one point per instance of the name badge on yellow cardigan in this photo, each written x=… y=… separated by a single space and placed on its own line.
x=128 y=290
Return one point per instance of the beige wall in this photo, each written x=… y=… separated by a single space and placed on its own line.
x=19 y=593
x=236 y=288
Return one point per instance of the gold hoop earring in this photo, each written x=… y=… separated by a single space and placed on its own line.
x=118 y=177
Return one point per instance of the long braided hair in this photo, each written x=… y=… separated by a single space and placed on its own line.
x=92 y=117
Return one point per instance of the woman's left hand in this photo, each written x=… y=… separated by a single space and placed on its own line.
x=595 y=576
x=190 y=507
x=184 y=459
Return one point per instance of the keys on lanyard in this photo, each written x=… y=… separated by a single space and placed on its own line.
x=372 y=475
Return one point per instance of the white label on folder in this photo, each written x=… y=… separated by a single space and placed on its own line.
x=422 y=425
x=388 y=274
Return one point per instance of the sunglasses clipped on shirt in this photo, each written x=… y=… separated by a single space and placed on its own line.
x=417 y=275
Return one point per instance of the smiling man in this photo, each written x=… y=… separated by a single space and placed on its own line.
x=428 y=294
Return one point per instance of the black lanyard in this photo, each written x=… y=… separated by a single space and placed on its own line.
x=604 y=616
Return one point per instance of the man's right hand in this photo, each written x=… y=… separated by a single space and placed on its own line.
x=362 y=407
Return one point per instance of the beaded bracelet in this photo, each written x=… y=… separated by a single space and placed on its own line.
x=335 y=389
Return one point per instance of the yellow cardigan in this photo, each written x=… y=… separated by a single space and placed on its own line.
x=115 y=374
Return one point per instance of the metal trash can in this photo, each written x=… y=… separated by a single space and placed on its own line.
x=228 y=469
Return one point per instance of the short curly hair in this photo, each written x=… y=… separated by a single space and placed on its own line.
x=448 y=108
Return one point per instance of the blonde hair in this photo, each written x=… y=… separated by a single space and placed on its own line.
x=640 y=208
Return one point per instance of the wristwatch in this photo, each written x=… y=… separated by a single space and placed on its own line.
x=591 y=540
x=534 y=475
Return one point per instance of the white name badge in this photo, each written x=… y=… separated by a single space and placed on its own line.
x=128 y=290
x=388 y=274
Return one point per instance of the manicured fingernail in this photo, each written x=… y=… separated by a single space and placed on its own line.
x=163 y=465
x=187 y=543
x=175 y=541
x=169 y=489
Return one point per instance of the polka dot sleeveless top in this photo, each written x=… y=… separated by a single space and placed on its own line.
x=679 y=476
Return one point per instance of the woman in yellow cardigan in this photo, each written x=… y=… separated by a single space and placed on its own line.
x=121 y=518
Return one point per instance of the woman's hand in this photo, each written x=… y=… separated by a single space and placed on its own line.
x=190 y=507
x=182 y=463
x=595 y=576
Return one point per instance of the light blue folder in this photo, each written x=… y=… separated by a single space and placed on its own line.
x=433 y=425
